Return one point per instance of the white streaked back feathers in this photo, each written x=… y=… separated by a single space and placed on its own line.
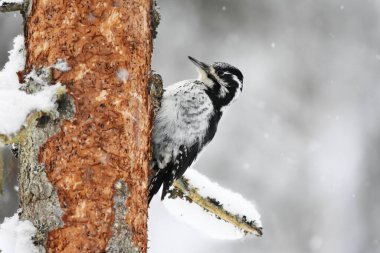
x=174 y=123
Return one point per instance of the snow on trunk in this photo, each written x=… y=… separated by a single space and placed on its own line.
x=16 y=236
x=16 y=104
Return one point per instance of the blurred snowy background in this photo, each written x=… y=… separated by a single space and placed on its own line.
x=303 y=140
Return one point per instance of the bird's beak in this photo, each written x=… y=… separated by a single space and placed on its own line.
x=205 y=67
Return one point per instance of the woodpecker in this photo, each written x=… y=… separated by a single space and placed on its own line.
x=188 y=118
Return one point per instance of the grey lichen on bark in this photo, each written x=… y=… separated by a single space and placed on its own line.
x=156 y=90
x=38 y=198
x=121 y=240
x=10 y=7
x=155 y=18
x=2 y=175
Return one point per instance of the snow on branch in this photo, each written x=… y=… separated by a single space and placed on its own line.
x=235 y=215
x=16 y=236
x=11 y=5
x=20 y=101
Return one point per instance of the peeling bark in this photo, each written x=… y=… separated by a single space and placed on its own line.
x=84 y=175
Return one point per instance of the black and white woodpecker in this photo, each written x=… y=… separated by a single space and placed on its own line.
x=188 y=118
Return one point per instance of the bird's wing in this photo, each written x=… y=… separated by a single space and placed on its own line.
x=186 y=156
x=182 y=129
x=183 y=119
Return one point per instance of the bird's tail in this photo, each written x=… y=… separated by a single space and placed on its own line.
x=155 y=184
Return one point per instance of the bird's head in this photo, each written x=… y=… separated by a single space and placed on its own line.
x=224 y=81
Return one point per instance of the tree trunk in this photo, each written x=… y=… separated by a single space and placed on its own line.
x=84 y=174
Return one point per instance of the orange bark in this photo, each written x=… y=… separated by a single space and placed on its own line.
x=108 y=45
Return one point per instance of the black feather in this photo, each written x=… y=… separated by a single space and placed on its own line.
x=156 y=181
